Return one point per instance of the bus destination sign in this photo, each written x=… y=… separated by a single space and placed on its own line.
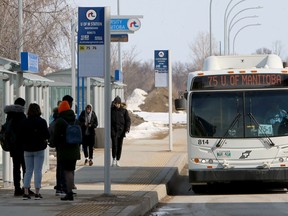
x=236 y=81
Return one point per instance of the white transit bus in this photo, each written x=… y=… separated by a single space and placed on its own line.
x=237 y=122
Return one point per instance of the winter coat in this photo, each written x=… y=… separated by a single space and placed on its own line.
x=34 y=134
x=93 y=122
x=16 y=113
x=65 y=151
x=120 y=121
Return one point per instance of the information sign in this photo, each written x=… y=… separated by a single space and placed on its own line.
x=91 y=41
x=125 y=24
x=29 y=62
x=161 y=67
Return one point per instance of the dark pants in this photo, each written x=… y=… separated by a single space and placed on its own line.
x=18 y=163
x=117 y=143
x=88 y=146
x=69 y=167
x=60 y=178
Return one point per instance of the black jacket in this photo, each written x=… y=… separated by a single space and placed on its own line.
x=65 y=151
x=34 y=134
x=16 y=113
x=93 y=123
x=120 y=121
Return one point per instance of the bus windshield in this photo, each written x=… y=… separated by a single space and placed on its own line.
x=239 y=114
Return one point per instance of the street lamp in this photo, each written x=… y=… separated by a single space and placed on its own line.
x=210 y=27
x=246 y=26
x=119 y=43
x=231 y=22
x=231 y=25
x=225 y=21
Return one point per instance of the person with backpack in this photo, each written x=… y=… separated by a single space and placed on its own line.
x=88 y=121
x=15 y=114
x=120 y=125
x=34 y=136
x=67 y=153
x=60 y=186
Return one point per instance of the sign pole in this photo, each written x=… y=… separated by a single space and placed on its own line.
x=163 y=78
x=170 y=102
x=107 y=93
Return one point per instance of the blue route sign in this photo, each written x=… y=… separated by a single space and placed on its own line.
x=90 y=25
x=91 y=43
x=29 y=62
x=125 y=25
x=161 y=61
x=161 y=67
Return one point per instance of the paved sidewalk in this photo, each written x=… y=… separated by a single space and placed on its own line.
x=147 y=165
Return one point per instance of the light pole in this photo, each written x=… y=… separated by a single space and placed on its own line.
x=246 y=26
x=231 y=24
x=226 y=15
x=119 y=43
x=210 y=26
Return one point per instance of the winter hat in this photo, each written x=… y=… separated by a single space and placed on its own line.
x=117 y=100
x=64 y=106
x=20 y=101
x=89 y=105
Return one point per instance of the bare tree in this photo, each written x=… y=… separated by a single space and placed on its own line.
x=277 y=47
x=46 y=31
x=263 y=50
x=200 y=48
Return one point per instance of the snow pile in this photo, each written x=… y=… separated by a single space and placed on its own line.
x=136 y=99
x=154 y=122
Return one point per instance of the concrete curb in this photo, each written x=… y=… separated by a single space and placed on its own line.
x=152 y=198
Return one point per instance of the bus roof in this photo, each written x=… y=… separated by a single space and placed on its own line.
x=242 y=62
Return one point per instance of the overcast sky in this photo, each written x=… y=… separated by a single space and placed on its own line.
x=174 y=24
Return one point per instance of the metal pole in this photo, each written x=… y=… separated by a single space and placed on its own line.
x=226 y=16
x=170 y=102
x=229 y=27
x=119 y=43
x=73 y=61
x=20 y=88
x=210 y=26
x=225 y=29
x=107 y=101
x=240 y=31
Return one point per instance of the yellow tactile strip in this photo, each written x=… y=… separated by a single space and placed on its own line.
x=126 y=195
x=100 y=205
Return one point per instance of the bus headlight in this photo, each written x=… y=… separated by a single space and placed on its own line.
x=281 y=160
x=210 y=161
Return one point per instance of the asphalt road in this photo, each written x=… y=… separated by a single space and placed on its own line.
x=222 y=200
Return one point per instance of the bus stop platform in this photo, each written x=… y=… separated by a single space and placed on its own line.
x=147 y=166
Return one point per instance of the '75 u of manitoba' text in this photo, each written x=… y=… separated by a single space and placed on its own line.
x=244 y=80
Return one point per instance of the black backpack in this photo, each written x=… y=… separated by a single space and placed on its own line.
x=7 y=136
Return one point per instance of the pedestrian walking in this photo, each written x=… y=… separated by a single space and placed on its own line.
x=15 y=114
x=68 y=154
x=88 y=121
x=34 y=136
x=120 y=125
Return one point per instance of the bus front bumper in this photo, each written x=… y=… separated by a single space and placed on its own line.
x=229 y=175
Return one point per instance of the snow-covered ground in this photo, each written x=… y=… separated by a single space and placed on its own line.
x=154 y=122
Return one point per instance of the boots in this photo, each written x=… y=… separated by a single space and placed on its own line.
x=68 y=196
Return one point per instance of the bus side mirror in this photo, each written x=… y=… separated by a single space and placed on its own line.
x=185 y=95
